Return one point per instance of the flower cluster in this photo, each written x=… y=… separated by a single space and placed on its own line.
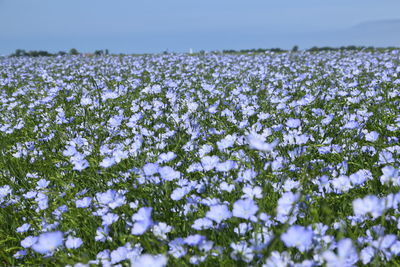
x=288 y=159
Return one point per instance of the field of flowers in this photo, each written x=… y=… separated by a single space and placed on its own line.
x=288 y=159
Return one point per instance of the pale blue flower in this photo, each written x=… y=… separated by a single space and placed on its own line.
x=367 y=254
x=60 y=210
x=29 y=241
x=194 y=240
x=293 y=123
x=142 y=221
x=205 y=149
x=42 y=201
x=48 y=242
x=384 y=242
x=206 y=245
x=118 y=155
x=42 y=184
x=287 y=207
x=328 y=119
x=299 y=237
x=109 y=219
x=180 y=192
x=225 y=166
x=106 y=197
x=102 y=234
x=79 y=162
x=227 y=142
x=166 y=157
x=194 y=167
x=176 y=248
x=341 y=184
x=23 y=228
x=73 y=242
x=252 y=192
x=161 y=230
x=103 y=255
x=346 y=254
x=209 y=162
x=245 y=208
x=246 y=176
x=386 y=157
x=115 y=121
x=243 y=228
x=278 y=259
x=150 y=169
x=368 y=205
x=118 y=255
x=257 y=142
x=20 y=254
x=109 y=95
x=372 y=136
x=351 y=125
x=390 y=175
x=4 y=191
x=167 y=173
x=84 y=202
x=70 y=151
x=301 y=139
x=118 y=201
x=147 y=260
x=219 y=213
x=358 y=178
x=224 y=186
x=202 y=223
x=241 y=251
x=107 y=162
x=85 y=101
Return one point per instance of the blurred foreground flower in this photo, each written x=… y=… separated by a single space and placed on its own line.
x=142 y=221
x=48 y=242
x=346 y=254
x=299 y=237
x=147 y=260
x=256 y=141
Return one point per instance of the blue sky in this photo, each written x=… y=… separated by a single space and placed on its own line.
x=128 y=26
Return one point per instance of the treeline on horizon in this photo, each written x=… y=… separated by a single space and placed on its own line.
x=73 y=51
x=42 y=53
x=312 y=49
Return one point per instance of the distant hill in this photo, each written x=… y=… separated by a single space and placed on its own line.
x=375 y=33
x=392 y=25
x=382 y=33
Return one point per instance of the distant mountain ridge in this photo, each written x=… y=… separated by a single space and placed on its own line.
x=379 y=25
x=378 y=33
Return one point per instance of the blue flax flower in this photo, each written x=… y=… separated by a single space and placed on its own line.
x=48 y=242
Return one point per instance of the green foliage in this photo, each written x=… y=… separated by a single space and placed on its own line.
x=73 y=52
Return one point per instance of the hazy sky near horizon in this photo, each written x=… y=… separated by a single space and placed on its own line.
x=129 y=26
